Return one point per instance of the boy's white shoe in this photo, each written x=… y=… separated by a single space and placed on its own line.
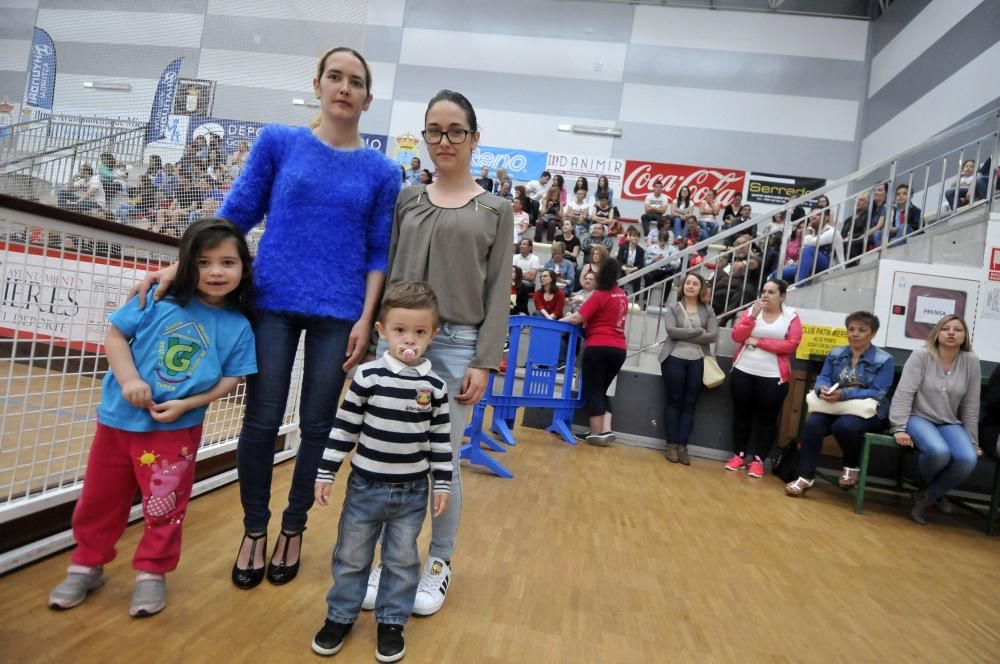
x=372 y=592
x=433 y=587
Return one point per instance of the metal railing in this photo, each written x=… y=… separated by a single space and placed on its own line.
x=858 y=221
x=52 y=132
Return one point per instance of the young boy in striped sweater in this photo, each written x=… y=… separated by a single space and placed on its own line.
x=396 y=411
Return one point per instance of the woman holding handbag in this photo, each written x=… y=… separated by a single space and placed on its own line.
x=691 y=330
x=768 y=333
x=850 y=399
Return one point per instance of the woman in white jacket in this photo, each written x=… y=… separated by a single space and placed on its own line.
x=822 y=247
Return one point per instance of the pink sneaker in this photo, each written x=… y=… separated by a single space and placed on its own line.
x=736 y=462
x=756 y=468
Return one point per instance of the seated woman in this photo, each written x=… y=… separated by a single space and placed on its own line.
x=859 y=370
x=564 y=268
x=632 y=257
x=966 y=183
x=577 y=209
x=550 y=217
x=598 y=254
x=518 y=296
x=821 y=247
x=936 y=409
x=549 y=298
x=586 y=289
x=571 y=243
x=660 y=254
x=141 y=206
x=693 y=234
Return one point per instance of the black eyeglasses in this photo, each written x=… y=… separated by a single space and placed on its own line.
x=455 y=135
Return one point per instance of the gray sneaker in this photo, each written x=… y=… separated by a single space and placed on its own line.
x=79 y=581
x=944 y=506
x=671 y=454
x=149 y=596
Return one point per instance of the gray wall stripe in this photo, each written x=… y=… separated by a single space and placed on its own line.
x=766 y=153
x=750 y=72
x=278 y=36
x=382 y=43
x=590 y=21
x=12 y=86
x=898 y=16
x=17 y=23
x=157 y=6
x=513 y=92
x=955 y=49
x=122 y=60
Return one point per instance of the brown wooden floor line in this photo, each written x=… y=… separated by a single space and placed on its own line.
x=589 y=555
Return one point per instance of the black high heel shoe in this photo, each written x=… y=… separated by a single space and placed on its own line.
x=252 y=576
x=282 y=573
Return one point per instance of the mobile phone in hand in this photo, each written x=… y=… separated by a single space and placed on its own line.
x=833 y=388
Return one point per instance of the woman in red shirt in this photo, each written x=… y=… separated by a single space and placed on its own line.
x=549 y=299
x=603 y=316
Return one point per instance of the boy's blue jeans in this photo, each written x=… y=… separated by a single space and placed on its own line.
x=370 y=508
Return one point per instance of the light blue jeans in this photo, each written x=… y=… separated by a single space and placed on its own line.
x=947 y=455
x=450 y=354
x=397 y=512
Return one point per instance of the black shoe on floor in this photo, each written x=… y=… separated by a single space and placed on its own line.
x=330 y=639
x=391 y=647
x=252 y=576
x=281 y=573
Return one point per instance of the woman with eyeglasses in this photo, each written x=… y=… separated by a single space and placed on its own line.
x=456 y=237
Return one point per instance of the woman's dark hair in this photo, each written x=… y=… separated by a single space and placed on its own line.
x=403 y=172
x=553 y=278
x=155 y=163
x=780 y=283
x=863 y=317
x=558 y=181
x=209 y=233
x=459 y=100
x=581 y=183
x=518 y=276
x=684 y=194
x=602 y=183
x=607 y=275
x=430 y=177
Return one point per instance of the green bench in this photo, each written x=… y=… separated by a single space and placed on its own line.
x=883 y=440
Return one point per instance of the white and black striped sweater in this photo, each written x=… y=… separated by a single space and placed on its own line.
x=398 y=415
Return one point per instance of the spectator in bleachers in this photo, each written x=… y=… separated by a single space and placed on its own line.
x=693 y=234
x=528 y=205
x=580 y=296
x=522 y=225
x=564 y=269
x=113 y=176
x=879 y=213
x=171 y=183
x=691 y=329
x=425 y=177
x=141 y=207
x=201 y=150
x=172 y=219
x=966 y=183
x=683 y=208
x=596 y=257
x=559 y=183
x=217 y=168
x=660 y=255
x=155 y=171
x=597 y=236
x=549 y=299
x=983 y=179
x=631 y=257
x=604 y=188
x=518 y=298
x=583 y=183
x=529 y=263
x=550 y=216
x=238 y=158
x=601 y=212
x=186 y=164
x=616 y=232
x=504 y=190
x=415 y=171
x=655 y=207
x=500 y=179
x=206 y=208
x=728 y=223
x=936 y=408
x=662 y=227
x=903 y=217
x=577 y=210
x=537 y=189
x=571 y=243
x=734 y=207
x=484 y=180
x=768 y=333
x=603 y=317
x=794 y=247
x=821 y=248
x=84 y=192
x=859 y=370
x=856 y=227
x=708 y=213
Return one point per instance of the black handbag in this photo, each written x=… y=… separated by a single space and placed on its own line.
x=786 y=462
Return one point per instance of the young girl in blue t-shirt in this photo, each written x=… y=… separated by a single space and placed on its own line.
x=168 y=361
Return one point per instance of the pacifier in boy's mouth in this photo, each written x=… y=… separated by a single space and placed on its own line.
x=408 y=354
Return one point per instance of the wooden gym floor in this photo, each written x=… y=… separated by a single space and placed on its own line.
x=589 y=555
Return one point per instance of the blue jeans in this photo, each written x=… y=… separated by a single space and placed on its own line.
x=848 y=430
x=277 y=338
x=804 y=267
x=682 y=382
x=709 y=228
x=396 y=511
x=947 y=456
x=450 y=354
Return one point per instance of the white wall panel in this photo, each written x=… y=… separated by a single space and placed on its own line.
x=527 y=131
x=937 y=110
x=919 y=35
x=14 y=54
x=786 y=115
x=279 y=72
x=111 y=27
x=327 y=11
x=71 y=97
x=386 y=12
x=781 y=34
x=530 y=56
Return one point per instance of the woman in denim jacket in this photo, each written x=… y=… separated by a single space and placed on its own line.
x=859 y=370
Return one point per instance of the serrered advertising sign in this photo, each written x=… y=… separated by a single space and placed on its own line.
x=640 y=176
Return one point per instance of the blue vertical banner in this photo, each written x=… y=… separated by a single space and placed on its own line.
x=40 y=90
x=163 y=102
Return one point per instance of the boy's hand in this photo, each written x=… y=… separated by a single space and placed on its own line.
x=138 y=393
x=321 y=492
x=168 y=411
x=441 y=503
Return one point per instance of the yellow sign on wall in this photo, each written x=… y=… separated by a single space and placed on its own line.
x=819 y=340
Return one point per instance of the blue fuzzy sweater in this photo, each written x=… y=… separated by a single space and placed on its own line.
x=329 y=219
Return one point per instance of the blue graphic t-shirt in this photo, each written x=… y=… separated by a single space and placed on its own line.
x=179 y=352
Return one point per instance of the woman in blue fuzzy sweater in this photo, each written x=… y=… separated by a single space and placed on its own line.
x=320 y=268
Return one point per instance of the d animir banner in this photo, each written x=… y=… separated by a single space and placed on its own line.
x=521 y=165
x=163 y=102
x=779 y=189
x=40 y=90
x=640 y=176
x=573 y=166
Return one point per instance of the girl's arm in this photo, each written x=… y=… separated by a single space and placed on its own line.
x=787 y=345
x=168 y=411
x=135 y=390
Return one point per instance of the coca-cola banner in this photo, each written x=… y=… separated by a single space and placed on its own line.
x=639 y=177
x=572 y=166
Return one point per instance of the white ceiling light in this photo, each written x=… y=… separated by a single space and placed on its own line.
x=101 y=85
x=614 y=132
x=311 y=103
